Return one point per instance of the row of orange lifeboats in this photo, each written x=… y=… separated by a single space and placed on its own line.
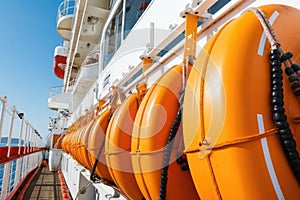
x=227 y=146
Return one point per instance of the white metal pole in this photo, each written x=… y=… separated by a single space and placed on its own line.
x=26 y=137
x=18 y=169
x=21 y=135
x=31 y=139
x=11 y=130
x=5 y=180
x=25 y=160
x=4 y=102
x=34 y=147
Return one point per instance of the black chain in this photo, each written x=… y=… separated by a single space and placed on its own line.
x=167 y=154
x=286 y=137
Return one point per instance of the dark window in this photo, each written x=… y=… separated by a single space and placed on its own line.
x=113 y=36
x=133 y=10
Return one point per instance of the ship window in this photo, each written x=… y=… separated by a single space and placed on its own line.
x=137 y=74
x=113 y=36
x=134 y=9
x=217 y=6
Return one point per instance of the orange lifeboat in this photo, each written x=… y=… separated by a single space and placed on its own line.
x=152 y=126
x=74 y=137
x=83 y=145
x=60 y=60
x=96 y=144
x=232 y=143
x=118 y=147
x=71 y=131
x=76 y=144
x=66 y=140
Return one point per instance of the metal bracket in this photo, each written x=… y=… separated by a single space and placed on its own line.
x=203 y=17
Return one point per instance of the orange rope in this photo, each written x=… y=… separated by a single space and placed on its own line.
x=236 y=141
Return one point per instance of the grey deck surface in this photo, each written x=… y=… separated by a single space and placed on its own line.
x=45 y=186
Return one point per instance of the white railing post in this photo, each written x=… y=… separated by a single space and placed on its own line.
x=25 y=160
x=18 y=168
x=28 y=139
x=4 y=102
x=34 y=147
x=21 y=115
x=5 y=182
x=40 y=142
x=11 y=130
x=31 y=139
x=26 y=136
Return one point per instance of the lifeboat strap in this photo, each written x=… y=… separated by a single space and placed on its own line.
x=93 y=175
x=233 y=142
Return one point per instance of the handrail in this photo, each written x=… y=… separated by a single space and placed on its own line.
x=67 y=7
x=53 y=91
x=15 y=168
x=15 y=154
x=16 y=158
x=91 y=58
x=18 y=153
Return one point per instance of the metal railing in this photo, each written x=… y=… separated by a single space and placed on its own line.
x=20 y=148
x=67 y=7
x=53 y=91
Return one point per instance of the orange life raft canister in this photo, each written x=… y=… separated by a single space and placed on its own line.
x=152 y=126
x=96 y=143
x=118 y=147
x=233 y=147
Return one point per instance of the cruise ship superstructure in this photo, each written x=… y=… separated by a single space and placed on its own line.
x=177 y=99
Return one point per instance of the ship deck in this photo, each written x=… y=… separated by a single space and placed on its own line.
x=45 y=185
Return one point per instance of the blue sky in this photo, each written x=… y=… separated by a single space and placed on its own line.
x=28 y=37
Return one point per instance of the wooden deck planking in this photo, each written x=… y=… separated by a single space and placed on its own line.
x=45 y=186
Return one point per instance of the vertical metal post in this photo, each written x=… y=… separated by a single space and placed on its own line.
x=26 y=135
x=18 y=169
x=21 y=135
x=25 y=160
x=11 y=130
x=34 y=147
x=40 y=142
x=28 y=138
x=4 y=102
x=5 y=182
x=151 y=41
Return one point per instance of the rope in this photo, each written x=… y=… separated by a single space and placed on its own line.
x=235 y=141
x=268 y=30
